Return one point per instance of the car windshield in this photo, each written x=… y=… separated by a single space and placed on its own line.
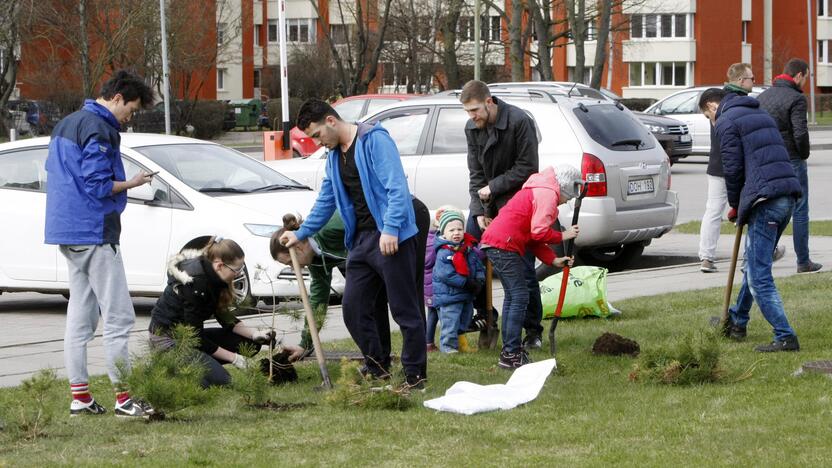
x=614 y=128
x=216 y=170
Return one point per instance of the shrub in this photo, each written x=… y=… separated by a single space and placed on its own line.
x=207 y=119
x=353 y=390
x=273 y=108
x=170 y=380
x=693 y=360
x=30 y=409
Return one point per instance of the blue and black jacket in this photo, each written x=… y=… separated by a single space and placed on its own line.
x=84 y=160
x=384 y=184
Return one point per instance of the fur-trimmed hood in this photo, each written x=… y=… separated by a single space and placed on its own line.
x=178 y=271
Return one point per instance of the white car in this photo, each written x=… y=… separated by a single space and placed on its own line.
x=629 y=203
x=202 y=189
x=684 y=105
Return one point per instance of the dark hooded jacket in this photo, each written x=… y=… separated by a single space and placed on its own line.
x=754 y=158
x=787 y=105
x=191 y=297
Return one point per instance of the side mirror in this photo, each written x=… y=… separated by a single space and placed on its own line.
x=143 y=192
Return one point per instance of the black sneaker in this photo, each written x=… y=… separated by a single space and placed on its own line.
x=413 y=383
x=789 y=344
x=733 y=332
x=532 y=341
x=810 y=267
x=373 y=374
x=512 y=361
x=131 y=409
x=78 y=407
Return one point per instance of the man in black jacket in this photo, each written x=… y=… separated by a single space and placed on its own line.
x=787 y=104
x=502 y=154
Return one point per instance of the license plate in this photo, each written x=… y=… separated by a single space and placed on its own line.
x=685 y=138
x=640 y=186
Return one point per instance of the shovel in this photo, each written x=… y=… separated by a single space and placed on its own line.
x=581 y=189
x=723 y=319
x=310 y=321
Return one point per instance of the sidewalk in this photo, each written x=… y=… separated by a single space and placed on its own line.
x=36 y=340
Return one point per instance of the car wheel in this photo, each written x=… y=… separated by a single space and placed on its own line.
x=241 y=285
x=614 y=258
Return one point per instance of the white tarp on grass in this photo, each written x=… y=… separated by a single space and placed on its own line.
x=469 y=398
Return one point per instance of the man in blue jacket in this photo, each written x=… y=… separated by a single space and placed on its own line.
x=762 y=192
x=85 y=196
x=365 y=181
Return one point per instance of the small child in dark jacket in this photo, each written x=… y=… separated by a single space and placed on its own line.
x=458 y=275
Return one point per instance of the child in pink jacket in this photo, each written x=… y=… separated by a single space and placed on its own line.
x=526 y=222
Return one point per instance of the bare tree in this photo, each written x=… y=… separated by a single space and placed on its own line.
x=357 y=58
x=9 y=46
x=411 y=43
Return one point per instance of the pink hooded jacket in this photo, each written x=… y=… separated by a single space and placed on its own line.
x=526 y=220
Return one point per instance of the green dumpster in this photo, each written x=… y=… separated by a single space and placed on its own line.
x=246 y=111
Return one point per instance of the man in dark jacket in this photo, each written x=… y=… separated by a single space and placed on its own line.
x=502 y=154
x=762 y=191
x=787 y=104
x=86 y=194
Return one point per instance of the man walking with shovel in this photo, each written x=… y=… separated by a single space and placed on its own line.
x=762 y=192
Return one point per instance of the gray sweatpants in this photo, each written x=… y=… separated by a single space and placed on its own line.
x=97 y=288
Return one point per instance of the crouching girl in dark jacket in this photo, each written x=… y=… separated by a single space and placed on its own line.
x=200 y=288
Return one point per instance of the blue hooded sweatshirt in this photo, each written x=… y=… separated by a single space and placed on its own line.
x=382 y=180
x=84 y=160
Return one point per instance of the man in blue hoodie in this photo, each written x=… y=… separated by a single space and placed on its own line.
x=366 y=182
x=762 y=192
x=85 y=196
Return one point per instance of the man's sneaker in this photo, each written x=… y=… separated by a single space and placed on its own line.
x=512 y=361
x=789 y=344
x=734 y=332
x=430 y=347
x=131 y=409
x=707 y=266
x=779 y=252
x=532 y=341
x=413 y=383
x=810 y=267
x=79 y=407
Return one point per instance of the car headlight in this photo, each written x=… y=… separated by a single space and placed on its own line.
x=262 y=230
x=655 y=128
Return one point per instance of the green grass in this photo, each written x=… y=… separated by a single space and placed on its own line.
x=816 y=228
x=587 y=414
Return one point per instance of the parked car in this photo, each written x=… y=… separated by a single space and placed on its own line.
x=684 y=105
x=673 y=135
x=202 y=189
x=351 y=109
x=629 y=202
x=40 y=116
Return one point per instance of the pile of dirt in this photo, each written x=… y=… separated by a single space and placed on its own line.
x=615 y=345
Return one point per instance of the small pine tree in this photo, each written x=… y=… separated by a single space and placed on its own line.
x=170 y=379
x=252 y=385
x=352 y=389
x=693 y=360
x=29 y=410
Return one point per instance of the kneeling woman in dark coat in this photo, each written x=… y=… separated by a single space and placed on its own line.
x=199 y=288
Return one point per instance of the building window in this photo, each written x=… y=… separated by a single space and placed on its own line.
x=591 y=33
x=256 y=78
x=300 y=30
x=338 y=33
x=489 y=28
x=258 y=30
x=822 y=7
x=220 y=79
x=220 y=33
x=823 y=51
x=570 y=74
x=659 y=74
x=660 y=26
x=745 y=32
x=272 y=31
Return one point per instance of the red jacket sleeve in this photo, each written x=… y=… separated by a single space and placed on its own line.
x=542 y=251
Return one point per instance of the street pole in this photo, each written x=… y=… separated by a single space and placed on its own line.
x=811 y=64
x=477 y=38
x=284 y=74
x=165 y=71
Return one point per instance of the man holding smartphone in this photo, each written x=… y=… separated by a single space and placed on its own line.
x=86 y=194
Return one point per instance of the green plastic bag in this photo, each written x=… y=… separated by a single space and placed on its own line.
x=586 y=293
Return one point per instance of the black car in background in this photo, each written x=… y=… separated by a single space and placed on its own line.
x=672 y=134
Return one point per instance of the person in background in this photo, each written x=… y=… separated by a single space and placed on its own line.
x=786 y=103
